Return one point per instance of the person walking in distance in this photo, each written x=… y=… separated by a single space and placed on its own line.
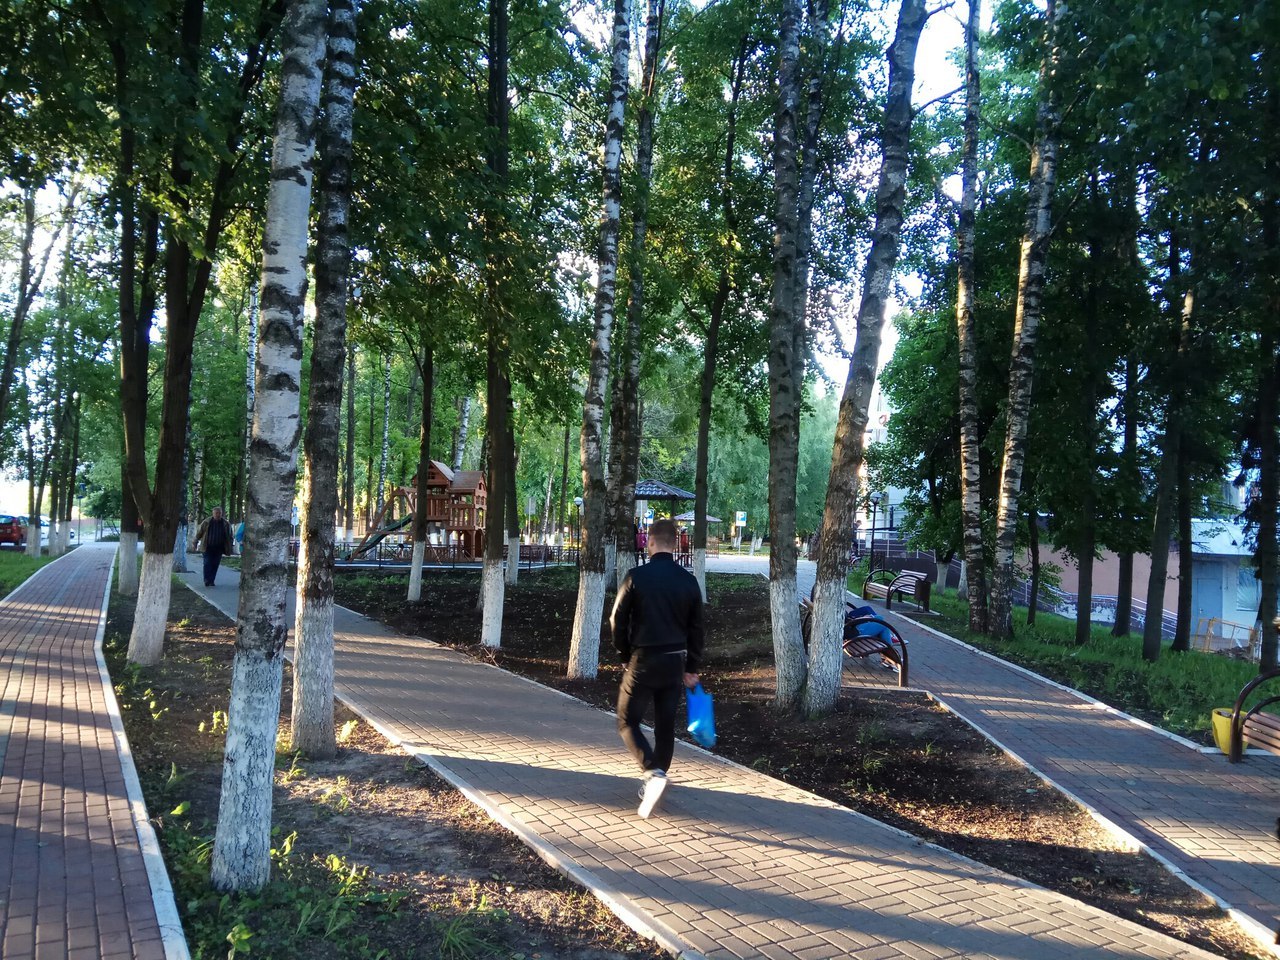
x=657 y=630
x=215 y=534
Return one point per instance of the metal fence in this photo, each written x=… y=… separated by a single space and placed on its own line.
x=399 y=553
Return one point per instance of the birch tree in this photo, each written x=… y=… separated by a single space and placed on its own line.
x=584 y=648
x=312 y=717
x=242 y=842
x=826 y=657
x=784 y=383
x=1031 y=276
x=975 y=562
x=627 y=413
x=498 y=387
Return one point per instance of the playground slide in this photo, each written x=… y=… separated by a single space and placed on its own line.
x=374 y=538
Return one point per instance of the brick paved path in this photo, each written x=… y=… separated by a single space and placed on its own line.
x=737 y=865
x=73 y=883
x=1212 y=820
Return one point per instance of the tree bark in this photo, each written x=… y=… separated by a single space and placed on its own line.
x=242 y=843
x=1033 y=598
x=826 y=658
x=624 y=530
x=711 y=343
x=788 y=648
x=1186 y=562
x=464 y=420
x=584 y=648
x=251 y=361
x=498 y=387
x=428 y=370
x=1128 y=456
x=312 y=709
x=385 y=454
x=187 y=274
x=1268 y=501
x=564 y=487
x=973 y=545
x=1031 y=276
x=349 y=481
x=512 y=507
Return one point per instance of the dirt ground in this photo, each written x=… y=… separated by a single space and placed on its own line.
x=467 y=889
x=893 y=755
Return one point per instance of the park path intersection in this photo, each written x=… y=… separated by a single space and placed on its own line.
x=737 y=864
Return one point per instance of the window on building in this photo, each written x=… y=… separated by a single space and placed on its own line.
x=1248 y=589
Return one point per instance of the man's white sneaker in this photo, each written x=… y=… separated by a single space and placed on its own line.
x=654 y=785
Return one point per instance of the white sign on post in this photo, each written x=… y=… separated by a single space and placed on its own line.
x=648 y=516
x=740 y=518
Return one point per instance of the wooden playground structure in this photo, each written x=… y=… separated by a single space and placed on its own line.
x=455 y=507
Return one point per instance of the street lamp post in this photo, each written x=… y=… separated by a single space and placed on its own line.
x=875 y=502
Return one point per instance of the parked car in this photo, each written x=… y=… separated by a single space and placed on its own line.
x=13 y=531
x=46 y=525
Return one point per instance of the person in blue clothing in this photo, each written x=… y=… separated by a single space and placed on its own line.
x=215 y=534
x=657 y=630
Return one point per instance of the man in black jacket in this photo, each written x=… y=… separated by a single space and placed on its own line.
x=215 y=534
x=657 y=628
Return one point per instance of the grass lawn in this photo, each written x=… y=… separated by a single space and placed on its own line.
x=1177 y=692
x=15 y=567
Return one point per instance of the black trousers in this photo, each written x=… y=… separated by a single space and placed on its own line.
x=657 y=677
x=212 y=559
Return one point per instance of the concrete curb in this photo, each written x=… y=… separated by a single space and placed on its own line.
x=175 y=941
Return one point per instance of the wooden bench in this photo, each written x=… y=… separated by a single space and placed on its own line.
x=1260 y=729
x=910 y=584
x=892 y=652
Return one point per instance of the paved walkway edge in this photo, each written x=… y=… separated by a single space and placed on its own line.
x=1265 y=937
x=645 y=926
x=175 y=941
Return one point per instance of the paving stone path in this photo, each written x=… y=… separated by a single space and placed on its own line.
x=737 y=865
x=73 y=881
x=1212 y=821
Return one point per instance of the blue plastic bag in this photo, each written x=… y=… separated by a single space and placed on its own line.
x=702 y=721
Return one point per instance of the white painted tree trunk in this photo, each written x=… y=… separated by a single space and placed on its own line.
x=242 y=842
x=128 y=572
x=180 y=549
x=624 y=563
x=512 y=570
x=312 y=709
x=492 y=591
x=784 y=619
x=942 y=574
x=150 y=618
x=700 y=570
x=584 y=647
x=826 y=648
x=589 y=610
x=415 y=571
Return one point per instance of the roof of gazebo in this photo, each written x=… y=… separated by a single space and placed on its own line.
x=688 y=518
x=657 y=490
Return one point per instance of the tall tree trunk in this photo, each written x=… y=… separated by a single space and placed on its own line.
x=584 y=648
x=1186 y=549
x=788 y=648
x=973 y=545
x=251 y=361
x=1128 y=457
x=1167 y=475
x=1033 y=598
x=460 y=446
x=312 y=708
x=826 y=657
x=187 y=275
x=428 y=370
x=1268 y=501
x=349 y=482
x=242 y=843
x=711 y=342
x=512 y=508
x=498 y=388
x=564 y=487
x=384 y=456
x=624 y=531
x=1031 y=274
x=369 y=477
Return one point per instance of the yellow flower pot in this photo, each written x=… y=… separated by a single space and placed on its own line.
x=1222 y=729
